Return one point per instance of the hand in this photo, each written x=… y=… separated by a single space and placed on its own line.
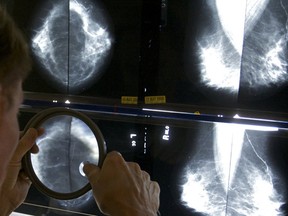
x=121 y=188
x=16 y=184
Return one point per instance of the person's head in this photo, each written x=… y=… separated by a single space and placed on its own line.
x=15 y=60
x=15 y=63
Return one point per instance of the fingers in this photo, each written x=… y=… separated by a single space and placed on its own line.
x=155 y=186
x=15 y=172
x=112 y=161
x=136 y=169
x=118 y=181
x=92 y=172
x=35 y=148
x=23 y=176
x=155 y=192
x=114 y=158
x=145 y=176
x=115 y=162
x=40 y=131
x=26 y=143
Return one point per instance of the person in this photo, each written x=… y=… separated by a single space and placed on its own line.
x=120 y=188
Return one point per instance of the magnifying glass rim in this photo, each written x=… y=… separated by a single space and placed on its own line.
x=35 y=122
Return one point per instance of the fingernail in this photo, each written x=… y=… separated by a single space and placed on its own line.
x=81 y=167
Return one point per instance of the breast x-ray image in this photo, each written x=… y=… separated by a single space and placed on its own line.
x=241 y=178
x=72 y=43
x=221 y=169
x=211 y=53
x=245 y=48
x=229 y=53
x=203 y=168
x=80 y=47
x=208 y=53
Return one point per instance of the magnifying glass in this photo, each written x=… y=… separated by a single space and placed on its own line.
x=70 y=139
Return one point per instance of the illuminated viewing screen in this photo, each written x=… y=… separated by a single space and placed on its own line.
x=225 y=53
x=204 y=169
x=211 y=53
x=219 y=169
x=81 y=47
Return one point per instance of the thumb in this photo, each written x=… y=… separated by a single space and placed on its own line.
x=92 y=172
